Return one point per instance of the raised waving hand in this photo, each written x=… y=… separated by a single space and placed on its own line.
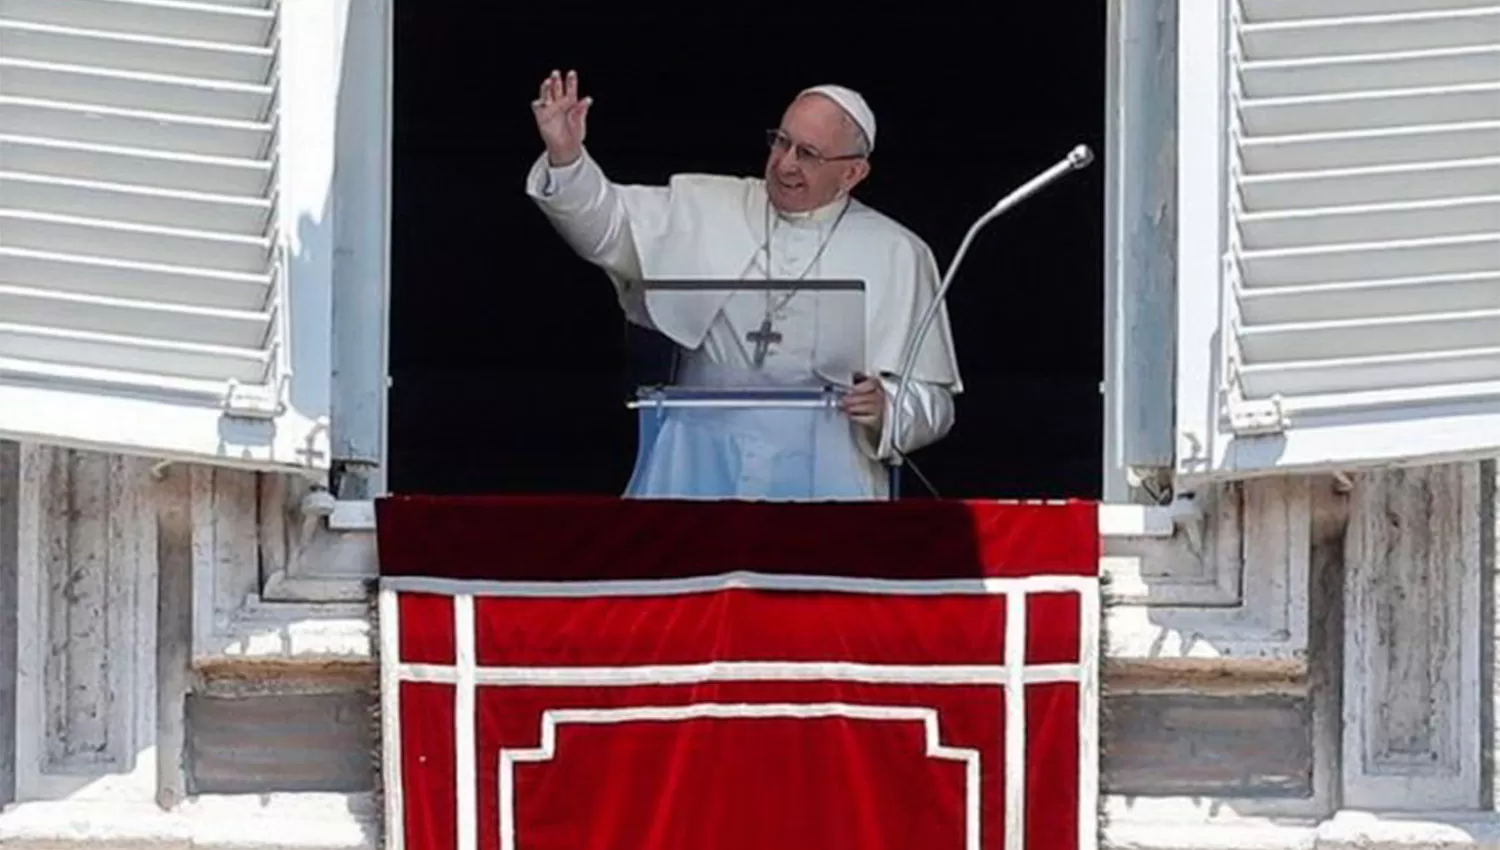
x=561 y=117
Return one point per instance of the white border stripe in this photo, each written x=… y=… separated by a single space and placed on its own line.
x=746 y=671
x=742 y=581
x=390 y=720
x=1015 y=721
x=1012 y=677
x=554 y=718
x=465 y=720
x=1089 y=619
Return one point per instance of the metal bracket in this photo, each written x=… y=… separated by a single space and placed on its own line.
x=255 y=402
x=1155 y=482
x=1186 y=515
x=318 y=503
x=1343 y=483
x=1259 y=417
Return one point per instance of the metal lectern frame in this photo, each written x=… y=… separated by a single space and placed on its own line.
x=727 y=288
x=827 y=396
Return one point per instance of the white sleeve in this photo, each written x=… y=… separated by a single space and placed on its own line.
x=926 y=417
x=558 y=177
x=592 y=214
x=603 y=222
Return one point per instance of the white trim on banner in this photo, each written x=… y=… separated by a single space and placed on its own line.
x=465 y=746
x=390 y=720
x=1012 y=677
x=745 y=671
x=742 y=581
x=552 y=719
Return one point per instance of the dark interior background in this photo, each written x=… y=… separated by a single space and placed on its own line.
x=508 y=352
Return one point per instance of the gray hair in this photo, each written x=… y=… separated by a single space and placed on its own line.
x=861 y=139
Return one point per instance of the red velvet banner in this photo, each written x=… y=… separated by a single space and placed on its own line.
x=578 y=675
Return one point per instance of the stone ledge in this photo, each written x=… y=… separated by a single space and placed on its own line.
x=1240 y=835
x=227 y=822
x=351 y=822
x=308 y=633
x=352 y=515
x=1348 y=830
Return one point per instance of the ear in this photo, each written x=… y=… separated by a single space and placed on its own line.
x=859 y=169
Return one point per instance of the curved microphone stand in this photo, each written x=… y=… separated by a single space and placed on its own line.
x=1076 y=159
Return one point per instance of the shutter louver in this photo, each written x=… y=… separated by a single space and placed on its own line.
x=1361 y=247
x=144 y=269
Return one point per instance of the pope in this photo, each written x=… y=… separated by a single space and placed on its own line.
x=798 y=221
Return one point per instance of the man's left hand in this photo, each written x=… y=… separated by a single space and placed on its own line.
x=865 y=403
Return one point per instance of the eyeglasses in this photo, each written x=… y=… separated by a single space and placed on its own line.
x=780 y=141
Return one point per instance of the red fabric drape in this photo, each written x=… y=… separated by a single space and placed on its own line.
x=564 y=539
x=792 y=716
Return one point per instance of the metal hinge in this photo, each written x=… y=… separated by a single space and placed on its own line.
x=1257 y=417
x=1248 y=417
x=255 y=402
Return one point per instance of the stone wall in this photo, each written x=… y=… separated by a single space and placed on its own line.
x=185 y=652
x=173 y=682
x=1380 y=734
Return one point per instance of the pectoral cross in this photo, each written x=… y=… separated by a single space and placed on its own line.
x=763 y=337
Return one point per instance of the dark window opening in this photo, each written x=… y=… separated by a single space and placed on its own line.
x=508 y=351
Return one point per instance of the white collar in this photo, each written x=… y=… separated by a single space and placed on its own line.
x=820 y=215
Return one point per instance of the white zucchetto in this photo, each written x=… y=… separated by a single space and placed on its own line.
x=853 y=104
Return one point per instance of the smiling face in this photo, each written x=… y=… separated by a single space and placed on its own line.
x=817 y=156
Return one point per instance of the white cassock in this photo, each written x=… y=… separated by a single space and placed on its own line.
x=714 y=227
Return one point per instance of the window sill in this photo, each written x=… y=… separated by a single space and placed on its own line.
x=349 y=515
x=1115 y=520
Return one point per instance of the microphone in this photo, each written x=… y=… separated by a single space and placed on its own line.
x=1077 y=159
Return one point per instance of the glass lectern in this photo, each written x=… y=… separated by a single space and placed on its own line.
x=749 y=405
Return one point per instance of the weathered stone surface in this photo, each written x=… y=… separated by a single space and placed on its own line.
x=267 y=744
x=86 y=616
x=1241 y=746
x=1414 y=558
x=10 y=479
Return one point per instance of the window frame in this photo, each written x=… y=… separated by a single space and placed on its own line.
x=362 y=273
x=1201 y=225
x=1139 y=288
x=1140 y=318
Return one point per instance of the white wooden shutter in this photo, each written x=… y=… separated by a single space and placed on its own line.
x=164 y=269
x=1339 y=233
